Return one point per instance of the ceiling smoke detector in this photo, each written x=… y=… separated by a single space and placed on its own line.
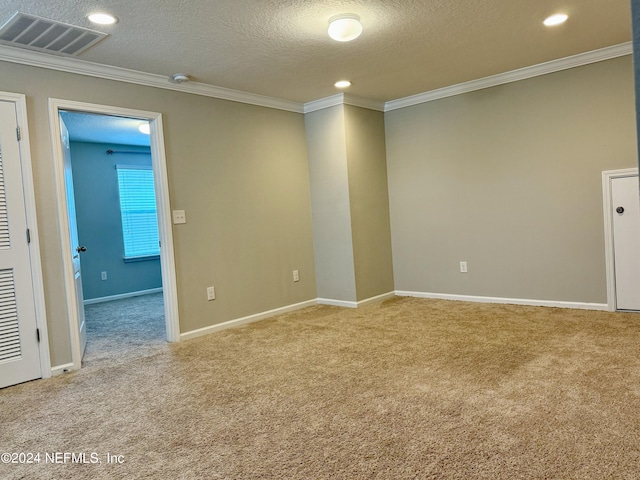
x=179 y=78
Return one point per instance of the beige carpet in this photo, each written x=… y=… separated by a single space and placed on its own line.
x=122 y=328
x=406 y=389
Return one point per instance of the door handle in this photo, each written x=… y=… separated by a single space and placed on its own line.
x=81 y=249
x=620 y=210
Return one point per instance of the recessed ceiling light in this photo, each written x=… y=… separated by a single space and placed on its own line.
x=102 y=18
x=556 y=19
x=144 y=128
x=343 y=84
x=345 y=27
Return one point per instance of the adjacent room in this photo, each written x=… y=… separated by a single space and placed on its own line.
x=117 y=229
x=304 y=239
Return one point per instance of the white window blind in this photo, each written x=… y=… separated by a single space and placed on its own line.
x=138 y=209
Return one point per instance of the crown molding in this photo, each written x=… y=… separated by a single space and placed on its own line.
x=343 y=99
x=322 y=103
x=82 y=67
x=363 y=102
x=566 y=63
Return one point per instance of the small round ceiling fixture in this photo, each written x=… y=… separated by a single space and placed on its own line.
x=345 y=27
x=102 y=18
x=342 y=84
x=557 y=19
x=145 y=128
x=179 y=78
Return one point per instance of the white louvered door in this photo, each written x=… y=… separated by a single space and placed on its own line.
x=19 y=352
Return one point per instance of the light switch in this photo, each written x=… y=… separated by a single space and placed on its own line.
x=179 y=216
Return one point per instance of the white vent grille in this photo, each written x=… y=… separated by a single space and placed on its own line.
x=9 y=331
x=5 y=241
x=37 y=33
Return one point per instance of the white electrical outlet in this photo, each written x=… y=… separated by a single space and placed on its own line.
x=179 y=216
x=296 y=276
x=103 y=275
x=463 y=267
x=211 y=293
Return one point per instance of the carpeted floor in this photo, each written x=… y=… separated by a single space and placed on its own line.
x=124 y=328
x=406 y=389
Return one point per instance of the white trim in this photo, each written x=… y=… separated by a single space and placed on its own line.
x=510 y=301
x=363 y=102
x=65 y=238
x=578 y=60
x=244 y=320
x=327 y=102
x=337 y=303
x=121 y=296
x=165 y=231
x=167 y=260
x=607 y=206
x=60 y=369
x=81 y=67
x=343 y=99
x=20 y=102
x=377 y=298
x=361 y=303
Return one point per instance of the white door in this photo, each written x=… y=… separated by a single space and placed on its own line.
x=19 y=352
x=625 y=197
x=76 y=248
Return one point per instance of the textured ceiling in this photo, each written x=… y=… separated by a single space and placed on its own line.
x=87 y=127
x=280 y=48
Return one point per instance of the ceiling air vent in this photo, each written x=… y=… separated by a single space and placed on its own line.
x=36 y=33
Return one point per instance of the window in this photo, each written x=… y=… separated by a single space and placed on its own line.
x=138 y=209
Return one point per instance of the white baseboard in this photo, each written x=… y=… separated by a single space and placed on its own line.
x=512 y=301
x=337 y=303
x=60 y=369
x=120 y=296
x=377 y=298
x=244 y=320
x=361 y=303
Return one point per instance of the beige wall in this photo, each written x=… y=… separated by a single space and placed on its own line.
x=239 y=171
x=369 y=201
x=332 y=235
x=350 y=204
x=506 y=178
x=509 y=179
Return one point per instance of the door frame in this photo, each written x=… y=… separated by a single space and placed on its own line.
x=607 y=204
x=167 y=258
x=20 y=102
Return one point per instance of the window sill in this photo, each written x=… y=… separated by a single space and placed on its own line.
x=141 y=259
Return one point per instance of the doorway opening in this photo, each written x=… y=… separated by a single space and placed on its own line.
x=115 y=227
x=116 y=231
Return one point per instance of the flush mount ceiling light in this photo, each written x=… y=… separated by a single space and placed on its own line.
x=345 y=27
x=342 y=84
x=102 y=18
x=557 y=19
x=144 y=128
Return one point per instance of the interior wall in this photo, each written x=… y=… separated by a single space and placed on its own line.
x=369 y=201
x=509 y=180
x=240 y=173
x=97 y=199
x=333 y=241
